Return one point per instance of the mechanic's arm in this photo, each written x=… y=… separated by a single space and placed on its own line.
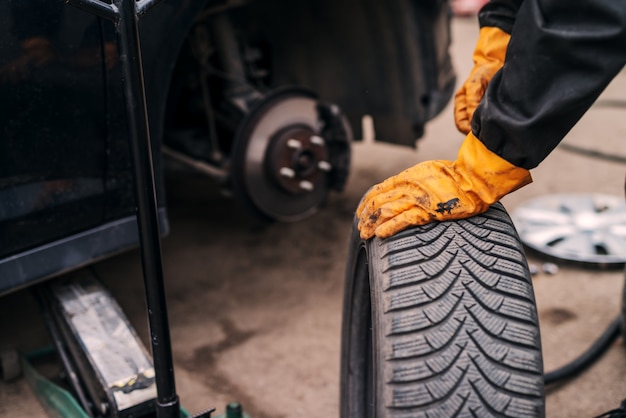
x=500 y=14
x=560 y=58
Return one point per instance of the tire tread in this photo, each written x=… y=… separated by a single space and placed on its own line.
x=461 y=334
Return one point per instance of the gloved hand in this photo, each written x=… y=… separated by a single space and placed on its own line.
x=439 y=191
x=488 y=59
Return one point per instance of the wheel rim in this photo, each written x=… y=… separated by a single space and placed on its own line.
x=583 y=228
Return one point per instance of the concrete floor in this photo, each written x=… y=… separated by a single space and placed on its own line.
x=255 y=311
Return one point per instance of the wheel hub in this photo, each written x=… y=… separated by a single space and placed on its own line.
x=297 y=159
x=288 y=154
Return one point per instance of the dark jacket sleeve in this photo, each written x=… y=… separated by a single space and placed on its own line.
x=499 y=13
x=560 y=58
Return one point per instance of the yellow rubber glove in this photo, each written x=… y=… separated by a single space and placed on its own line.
x=439 y=191
x=488 y=59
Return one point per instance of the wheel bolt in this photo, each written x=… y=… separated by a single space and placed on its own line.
x=317 y=140
x=287 y=172
x=306 y=185
x=294 y=143
x=324 y=166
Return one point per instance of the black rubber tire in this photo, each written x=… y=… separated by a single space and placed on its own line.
x=441 y=321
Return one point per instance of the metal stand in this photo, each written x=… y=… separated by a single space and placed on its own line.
x=125 y=15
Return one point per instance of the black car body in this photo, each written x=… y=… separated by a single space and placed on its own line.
x=66 y=185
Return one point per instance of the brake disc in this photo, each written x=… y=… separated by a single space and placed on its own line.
x=583 y=228
x=281 y=160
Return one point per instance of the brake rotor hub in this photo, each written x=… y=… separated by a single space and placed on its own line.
x=288 y=153
x=297 y=159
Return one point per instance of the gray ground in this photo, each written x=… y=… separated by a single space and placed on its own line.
x=256 y=312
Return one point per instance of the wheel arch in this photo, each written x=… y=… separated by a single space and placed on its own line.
x=163 y=32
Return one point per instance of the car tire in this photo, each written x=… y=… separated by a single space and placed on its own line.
x=440 y=321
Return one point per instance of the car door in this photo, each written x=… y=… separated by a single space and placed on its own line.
x=53 y=146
